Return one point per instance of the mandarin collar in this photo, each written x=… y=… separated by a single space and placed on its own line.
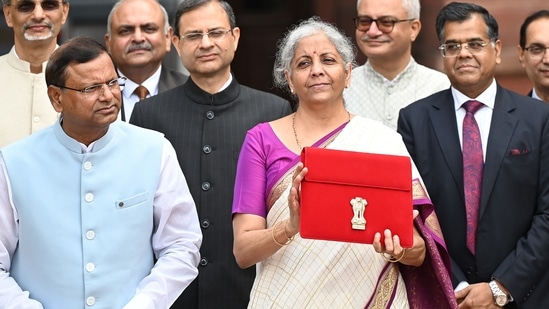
x=197 y=95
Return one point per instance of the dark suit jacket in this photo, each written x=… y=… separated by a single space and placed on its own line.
x=168 y=80
x=513 y=228
x=207 y=132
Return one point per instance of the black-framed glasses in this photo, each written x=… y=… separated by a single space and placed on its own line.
x=536 y=51
x=453 y=49
x=385 y=24
x=195 y=37
x=97 y=90
x=27 y=6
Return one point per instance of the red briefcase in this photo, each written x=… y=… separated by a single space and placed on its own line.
x=349 y=196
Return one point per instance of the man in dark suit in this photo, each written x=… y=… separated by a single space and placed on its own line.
x=533 y=55
x=139 y=37
x=506 y=256
x=206 y=119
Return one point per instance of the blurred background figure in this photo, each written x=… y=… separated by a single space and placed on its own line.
x=391 y=78
x=24 y=104
x=138 y=38
x=533 y=55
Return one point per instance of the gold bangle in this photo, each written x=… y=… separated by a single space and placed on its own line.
x=392 y=259
x=274 y=238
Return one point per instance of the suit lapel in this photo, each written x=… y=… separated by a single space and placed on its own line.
x=443 y=119
x=163 y=81
x=501 y=131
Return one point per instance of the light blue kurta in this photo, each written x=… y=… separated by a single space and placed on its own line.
x=84 y=207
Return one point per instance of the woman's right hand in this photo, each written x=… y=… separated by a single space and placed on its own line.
x=293 y=199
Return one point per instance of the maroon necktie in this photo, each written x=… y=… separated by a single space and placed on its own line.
x=473 y=165
x=141 y=92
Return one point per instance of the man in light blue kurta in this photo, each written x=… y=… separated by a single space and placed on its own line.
x=93 y=213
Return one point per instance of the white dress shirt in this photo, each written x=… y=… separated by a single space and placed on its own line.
x=130 y=98
x=483 y=116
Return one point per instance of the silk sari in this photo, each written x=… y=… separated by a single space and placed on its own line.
x=324 y=274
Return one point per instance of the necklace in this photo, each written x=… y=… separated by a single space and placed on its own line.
x=295 y=132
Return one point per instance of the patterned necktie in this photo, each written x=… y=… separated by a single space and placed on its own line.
x=141 y=92
x=473 y=166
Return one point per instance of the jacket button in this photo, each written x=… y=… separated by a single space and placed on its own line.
x=203 y=261
x=210 y=115
x=205 y=186
x=90 y=301
x=207 y=149
x=205 y=223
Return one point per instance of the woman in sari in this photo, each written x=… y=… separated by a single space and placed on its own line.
x=314 y=62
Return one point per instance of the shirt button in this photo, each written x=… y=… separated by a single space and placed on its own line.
x=88 y=165
x=210 y=115
x=90 y=301
x=89 y=197
x=207 y=149
x=90 y=267
x=36 y=119
x=90 y=235
x=389 y=116
x=203 y=261
x=205 y=186
x=205 y=223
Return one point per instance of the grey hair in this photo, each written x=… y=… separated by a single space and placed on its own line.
x=412 y=7
x=119 y=3
x=287 y=46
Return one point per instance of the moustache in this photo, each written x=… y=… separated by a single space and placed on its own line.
x=366 y=38
x=136 y=46
x=31 y=23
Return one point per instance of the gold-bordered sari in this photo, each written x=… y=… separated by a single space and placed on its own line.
x=325 y=274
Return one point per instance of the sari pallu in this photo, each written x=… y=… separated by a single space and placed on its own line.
x=323 y=274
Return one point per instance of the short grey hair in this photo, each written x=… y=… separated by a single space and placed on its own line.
x=119 y=3
x=287 y=46
x=412 y=7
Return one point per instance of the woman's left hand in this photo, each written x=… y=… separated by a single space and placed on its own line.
x=293 y=199
x=391 y=248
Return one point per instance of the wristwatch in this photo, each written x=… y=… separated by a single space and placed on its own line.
x=500 y=298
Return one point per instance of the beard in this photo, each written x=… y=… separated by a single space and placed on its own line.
x=31 y=37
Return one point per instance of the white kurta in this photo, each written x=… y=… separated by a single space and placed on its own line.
x=24 y=104
x=373 y=96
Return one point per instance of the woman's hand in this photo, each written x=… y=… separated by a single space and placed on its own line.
x=413 y=256
x=292 y=226
x=254 y=242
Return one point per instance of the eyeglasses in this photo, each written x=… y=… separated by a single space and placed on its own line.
x=385 y=24
x=536 y=51
x=453 y=49
x=97 y=90
x=28 y=6
x=195 y=37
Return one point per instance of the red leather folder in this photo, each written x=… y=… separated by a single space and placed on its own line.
x=349 y=196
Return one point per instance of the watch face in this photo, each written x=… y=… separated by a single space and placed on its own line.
x=501 y=300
